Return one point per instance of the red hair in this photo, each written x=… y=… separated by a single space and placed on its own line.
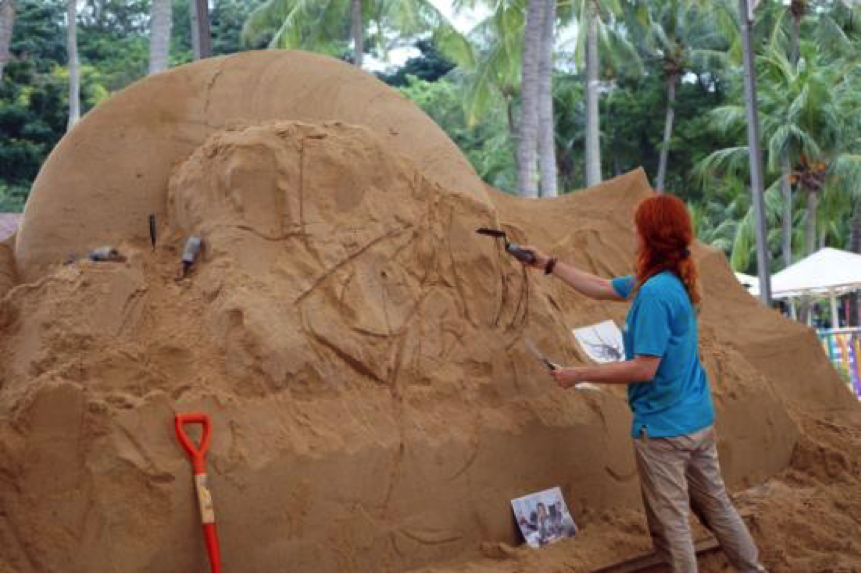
x=666 y=233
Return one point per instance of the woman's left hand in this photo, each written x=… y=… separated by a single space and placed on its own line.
x=568 y=377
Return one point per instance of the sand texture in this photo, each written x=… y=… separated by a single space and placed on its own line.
x=359 y=348
x=105 y=177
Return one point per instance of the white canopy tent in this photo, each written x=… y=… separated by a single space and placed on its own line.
x=826 y=273
x=750 y=282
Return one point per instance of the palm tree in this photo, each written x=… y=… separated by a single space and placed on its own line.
x=7 y=24
x=678 y=37
x=319 y=25
x=590 y=21
x=356 y=31
x=500 y=38
x=804 y=111
x=547 y=144
x=200 y=23
x=493 y=69
x=160 y=35
x=74 y=68
x=596 y=32
x=491 y=74
x=829 y=28
x=528 y=125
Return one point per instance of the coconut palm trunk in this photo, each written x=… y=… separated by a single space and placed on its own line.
x=593 y=151
x=797 y=8
x=547 y=147
x=529 y=123
x=160 y=35
x=811 y=222
x=797 y=11
x=74 y=69
x=7 y=25
x=786 y=210
x=668 y=131
x=810 y=244
x=200 y=22
x=357 y=31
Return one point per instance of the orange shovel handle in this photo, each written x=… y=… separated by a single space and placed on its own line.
x=198 y=455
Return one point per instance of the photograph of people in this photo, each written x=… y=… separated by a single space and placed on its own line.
x=543 y=517
x=668 y=391
x=544 y=523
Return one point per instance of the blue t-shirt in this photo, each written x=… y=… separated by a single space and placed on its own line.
x=661 y=322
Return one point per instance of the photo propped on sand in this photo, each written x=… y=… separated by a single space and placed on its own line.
x=543 y=517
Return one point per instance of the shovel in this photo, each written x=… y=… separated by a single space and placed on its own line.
x=205 y=501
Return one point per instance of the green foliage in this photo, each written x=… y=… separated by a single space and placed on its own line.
x=808 y=113
x=632 y=123
x=12 y=198
x=113 y=40
x=487 y=146
x=113 y=47
x=226 y=21
x=430 y=66
x=39 y=37
x=324 y=26
x=32 y=96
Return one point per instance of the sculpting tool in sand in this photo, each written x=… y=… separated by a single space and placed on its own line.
x=545 y=360
x=205 y=501
x=554 y=366
x=513 y=249
x=153 y=230
x=191 y=252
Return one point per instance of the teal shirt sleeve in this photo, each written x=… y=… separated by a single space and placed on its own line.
x=623 y=285
x=651 y=326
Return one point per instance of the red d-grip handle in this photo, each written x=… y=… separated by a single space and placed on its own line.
x=198 y=455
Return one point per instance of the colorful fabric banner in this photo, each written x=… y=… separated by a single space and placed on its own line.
x=842 y=347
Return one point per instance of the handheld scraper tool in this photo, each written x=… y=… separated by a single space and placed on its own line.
x=545 y=360
x=523 y=255
x=582 y=386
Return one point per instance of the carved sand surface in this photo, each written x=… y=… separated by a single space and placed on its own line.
x=358 y=347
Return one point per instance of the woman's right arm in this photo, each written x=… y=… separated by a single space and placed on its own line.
x=584 y=283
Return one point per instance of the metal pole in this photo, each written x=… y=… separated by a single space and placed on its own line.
x=754 y=154
x=833 y=308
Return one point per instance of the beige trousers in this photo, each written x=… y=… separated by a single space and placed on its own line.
x=683 y=471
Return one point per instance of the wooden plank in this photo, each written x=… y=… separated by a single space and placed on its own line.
x=650 y=560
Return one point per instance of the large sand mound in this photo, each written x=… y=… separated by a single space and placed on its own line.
x=360 y=350
x=104 y=178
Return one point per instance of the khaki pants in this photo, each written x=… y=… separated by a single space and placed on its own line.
x=680 y=471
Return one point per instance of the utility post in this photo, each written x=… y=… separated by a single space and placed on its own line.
x=746 y=17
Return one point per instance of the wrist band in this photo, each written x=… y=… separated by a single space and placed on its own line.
x=549 y=266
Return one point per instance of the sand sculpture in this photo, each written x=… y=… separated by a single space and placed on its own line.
x=358 y=346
